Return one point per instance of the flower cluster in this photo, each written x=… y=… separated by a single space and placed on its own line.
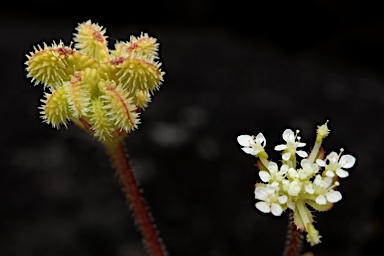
x=100 y=90
x=297 y=184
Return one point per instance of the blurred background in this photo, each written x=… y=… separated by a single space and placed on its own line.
x=231 y=68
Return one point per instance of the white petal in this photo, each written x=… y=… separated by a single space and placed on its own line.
x=287 y=133
x=280 y=147
x=261 y=139
x=329 y=174
x=272 y=167
x=291 y=205
x=305 y=163
x=321 y=200
x=261 y=193
x=263 y=207
x=301 y=144
x=347 y=161
x=315 y=168
x=293 y=190
x=245 y=140
x=264 y=176
x=250 y=151
x=333 y=157
x=283 y=169
x=341 y=173
x=317 y=180
x=271 y=189
x=320 y=162
x=276 y=209
x=275 y=184
x=309 y=190
x=327 y=182
x=302 y=153
x=286 y=156
x=334 y=196
x=282 y=199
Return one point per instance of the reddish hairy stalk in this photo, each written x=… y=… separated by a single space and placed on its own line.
x=294 y=238
x=143 y=219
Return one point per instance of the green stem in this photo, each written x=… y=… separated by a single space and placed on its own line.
x=294 y=238
x=264 y=161
x=314 y=152
x=143 y=219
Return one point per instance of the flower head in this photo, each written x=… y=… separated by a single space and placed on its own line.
x=296 y=185
x=101 y=90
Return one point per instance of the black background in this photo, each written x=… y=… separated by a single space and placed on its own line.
x=231 y=68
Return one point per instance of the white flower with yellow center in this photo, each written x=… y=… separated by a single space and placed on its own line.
x=270 y=199
x=290 y=148
x=252 y=145
x=307 y=170
x=294 y=188
x=336 y=164
x=323 y=188
x=274 y=174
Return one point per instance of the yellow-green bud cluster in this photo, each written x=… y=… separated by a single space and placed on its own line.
x=101 y=90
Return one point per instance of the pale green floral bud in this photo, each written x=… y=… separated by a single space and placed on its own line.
x=322 y=132
x=313 y=236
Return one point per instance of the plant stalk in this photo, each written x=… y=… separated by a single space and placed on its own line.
x=294 y=238
x=143 y=219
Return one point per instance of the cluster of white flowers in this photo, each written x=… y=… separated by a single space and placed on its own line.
x=295 y=184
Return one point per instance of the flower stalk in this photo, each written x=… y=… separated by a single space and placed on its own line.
x=294 y=239
x=143 y=218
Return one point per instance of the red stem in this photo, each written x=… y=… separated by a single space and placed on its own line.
x=294 y=238
x=143 y=219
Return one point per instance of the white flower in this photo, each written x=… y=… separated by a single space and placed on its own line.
x=294 y=188
x=335 y=164
x=307 y=169
x=293 y=174
x=252 y=145
x=331 y=196
x=270 y=201
x=309 y=188
x=274 y=174
x=290 y=147
x=323 y=187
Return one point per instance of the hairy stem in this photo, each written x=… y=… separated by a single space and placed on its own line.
x=294 y=238
x=143 y=219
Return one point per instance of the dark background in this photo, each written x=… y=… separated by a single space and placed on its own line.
x=231 y=68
